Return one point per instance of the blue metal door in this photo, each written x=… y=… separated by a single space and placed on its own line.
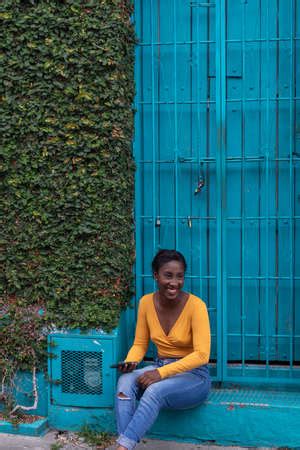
x=218 y=153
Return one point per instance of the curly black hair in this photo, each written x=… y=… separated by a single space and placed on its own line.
x=164 y=256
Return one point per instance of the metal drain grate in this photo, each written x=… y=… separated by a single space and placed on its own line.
x=81 y=372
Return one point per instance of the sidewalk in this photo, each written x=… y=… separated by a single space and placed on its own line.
x=71 y=441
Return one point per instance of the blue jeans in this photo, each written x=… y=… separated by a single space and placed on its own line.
x=182 y=391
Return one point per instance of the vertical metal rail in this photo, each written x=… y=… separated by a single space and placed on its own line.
x=221 y=196
x=158 y=165
x=207 y=174
x=291 y=177
x=198 y=133
x=260 y=177
x=153 y=131
x=277 y=166
x=191 y=267
x=137 y=156
x=267 y=191
x=243 y=316
x=191 y=139
x=175 y=122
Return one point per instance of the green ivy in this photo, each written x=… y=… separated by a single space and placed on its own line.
x=66 y=169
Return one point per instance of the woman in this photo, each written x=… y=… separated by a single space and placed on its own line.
x=177 y=322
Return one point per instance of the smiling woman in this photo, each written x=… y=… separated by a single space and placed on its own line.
x=177 y=322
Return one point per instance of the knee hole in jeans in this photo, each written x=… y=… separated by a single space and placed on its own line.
x=122 y=396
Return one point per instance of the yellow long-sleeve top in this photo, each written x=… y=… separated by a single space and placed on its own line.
x=189 y=338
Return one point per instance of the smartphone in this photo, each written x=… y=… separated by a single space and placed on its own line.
x=119 y=364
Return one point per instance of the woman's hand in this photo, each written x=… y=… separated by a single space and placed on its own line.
x=127 y=367
x=149 y=377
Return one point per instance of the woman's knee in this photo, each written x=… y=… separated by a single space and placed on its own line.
x=153 y=394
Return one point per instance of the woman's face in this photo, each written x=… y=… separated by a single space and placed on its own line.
x=170 y=279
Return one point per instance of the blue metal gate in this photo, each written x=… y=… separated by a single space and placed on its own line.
x=217 y=150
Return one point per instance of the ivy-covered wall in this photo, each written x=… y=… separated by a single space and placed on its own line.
x=66 y=169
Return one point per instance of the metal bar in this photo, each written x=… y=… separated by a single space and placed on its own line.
x=232 y=277
x=191 y=133
x=212 y=277
x=213 y=102
x=259 y=172
x=213 y=160
x=209 y=234
x=255 y=159
x=267 y=287
x=153 y=131
x=137 y=152
x=158 y=229
x=175 y=119
x=275 y=335
x=197 y=133
x=171 y=43
x=220 y=152
x=260 y=277
x=243 y=312
x=265 y=217
x=202 y=4
x=183 y=218
x=190 y=277
x=277 y=178
x=229 y=41
x=291 y=177
x=276 y=380
x=262 y=99
x=286 y=218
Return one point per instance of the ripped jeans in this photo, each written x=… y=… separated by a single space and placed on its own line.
x=182 y=391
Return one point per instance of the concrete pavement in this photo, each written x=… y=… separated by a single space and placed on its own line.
x=54 y=440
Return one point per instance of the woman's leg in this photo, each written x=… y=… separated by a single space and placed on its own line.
x=182 y=391
x=127 y=393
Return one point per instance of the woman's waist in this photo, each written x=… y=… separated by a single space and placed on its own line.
x=173 y=352
x=163 y=357
x=173 y=349
x=162 y=361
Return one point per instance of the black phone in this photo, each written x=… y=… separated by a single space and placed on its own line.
x=119 y=364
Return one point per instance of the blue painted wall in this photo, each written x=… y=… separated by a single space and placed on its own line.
x=23 y=392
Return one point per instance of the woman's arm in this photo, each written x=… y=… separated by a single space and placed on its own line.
x=201 y=344
x=142 y=335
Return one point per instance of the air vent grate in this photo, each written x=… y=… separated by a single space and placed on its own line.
x=81 y=372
